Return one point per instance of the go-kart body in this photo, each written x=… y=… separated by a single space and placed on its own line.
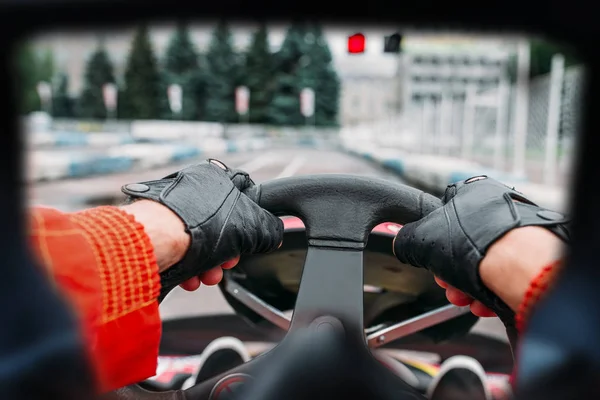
x=175 y=370
x=393 y=292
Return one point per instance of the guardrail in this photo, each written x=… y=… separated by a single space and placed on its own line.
x=76 y=133
x=48 y=164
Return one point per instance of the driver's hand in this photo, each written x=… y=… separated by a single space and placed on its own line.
x=452 y=240
x=222 y=221
x=461 y=299
x=209 y=278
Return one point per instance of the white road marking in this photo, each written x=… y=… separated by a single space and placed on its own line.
x=259 y=162
x=292 y=167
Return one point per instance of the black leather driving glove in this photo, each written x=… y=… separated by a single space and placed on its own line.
x=222 y=221
x=452 y=240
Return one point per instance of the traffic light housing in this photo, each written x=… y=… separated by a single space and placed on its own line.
x=392 y=43
x=356 y=43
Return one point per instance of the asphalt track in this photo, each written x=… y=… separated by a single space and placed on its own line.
x=76 y=194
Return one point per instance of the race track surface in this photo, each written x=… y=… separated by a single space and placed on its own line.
x=80 y=193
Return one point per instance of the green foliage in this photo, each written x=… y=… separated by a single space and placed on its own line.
x=305 y=61
x=322 y=78
x=223 y=75
x=259 y=68
x=45 y=70
x=541 y=53
x=142 y=95
x=208 y=80
x=182 y=66
x=98 y=72
x=123 y=108
x=181 y=55
x=285 y=105
x=62 y=103
x=27 y=80
x=193 y=85
x=32 y=68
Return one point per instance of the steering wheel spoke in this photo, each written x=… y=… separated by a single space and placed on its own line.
x=331 y=285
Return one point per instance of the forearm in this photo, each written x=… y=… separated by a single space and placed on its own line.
x=164 y=229
x=523 y=257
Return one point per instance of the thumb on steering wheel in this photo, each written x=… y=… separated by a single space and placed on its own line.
x=408 y=247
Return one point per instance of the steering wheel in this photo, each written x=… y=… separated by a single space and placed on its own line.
x=339 y=212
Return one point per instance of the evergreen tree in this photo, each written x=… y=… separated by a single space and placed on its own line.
x=62 y=103
x=541 y=53
x=123 y=109
x=181 y=55
x=98 y=71
x=45 y=66
x=322 y=77
x=32 y=68
x=259 y=68
x=26 y=66
x=540 y=59
x=182 y=66
x=285 y=105
x=222 y=76
x=142 y=96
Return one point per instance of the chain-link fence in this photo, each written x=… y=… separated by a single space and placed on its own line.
x=481 y=126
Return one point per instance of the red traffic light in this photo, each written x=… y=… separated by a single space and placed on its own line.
x=356 y=43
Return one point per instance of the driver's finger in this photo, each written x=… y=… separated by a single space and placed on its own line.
x=191 y=284
x=231 y=263
x=457 y=297
x=480 y=310
x=194 y=283
x=440 y=282
x=212 y=276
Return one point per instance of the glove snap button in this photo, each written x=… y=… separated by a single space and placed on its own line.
x=137 y=187
x=550 y=215
x=476 y=178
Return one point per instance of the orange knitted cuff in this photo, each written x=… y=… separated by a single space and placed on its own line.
x=537 y=289
x=125 y=256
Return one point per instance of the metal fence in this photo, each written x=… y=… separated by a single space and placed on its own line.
x=553 y=125
x=482 y=126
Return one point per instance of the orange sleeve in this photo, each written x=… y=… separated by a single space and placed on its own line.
x=103 y=263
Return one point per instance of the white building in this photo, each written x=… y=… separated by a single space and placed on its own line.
x=370 y=90
x=432 y=67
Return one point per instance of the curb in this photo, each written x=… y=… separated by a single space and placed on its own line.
x=131 y=156
x=78 y=139
x=128 y=156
